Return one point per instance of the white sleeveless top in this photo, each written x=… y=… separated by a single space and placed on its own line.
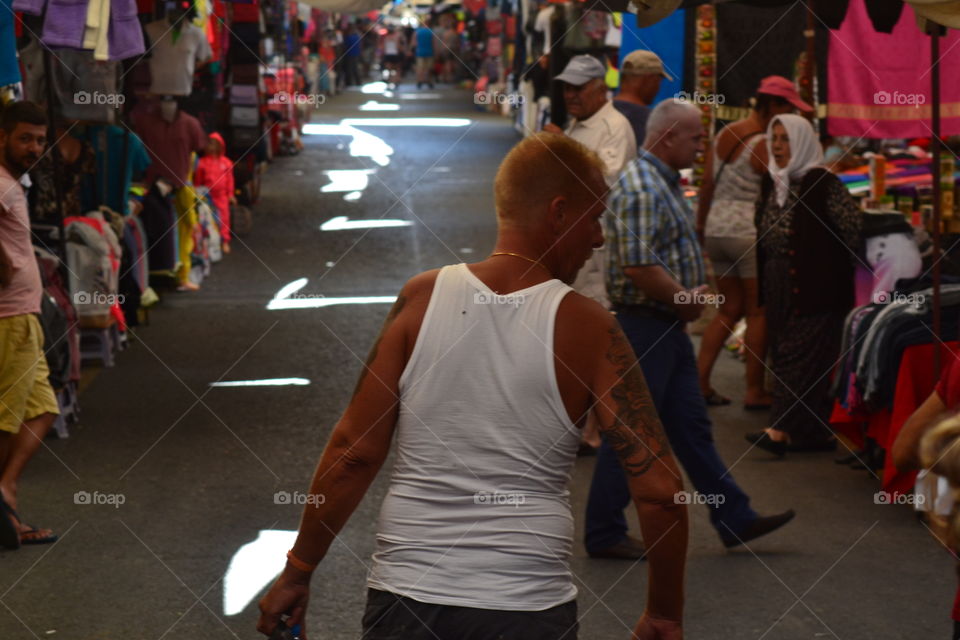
x=478 y=513
x=735 y=196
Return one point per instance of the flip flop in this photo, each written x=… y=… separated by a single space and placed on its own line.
x=714 y=399
x=34 y=535
x=9 y=537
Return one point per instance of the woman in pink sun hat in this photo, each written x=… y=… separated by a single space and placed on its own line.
x=725 y=224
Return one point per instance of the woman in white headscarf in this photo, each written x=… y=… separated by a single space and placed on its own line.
x=808 y=230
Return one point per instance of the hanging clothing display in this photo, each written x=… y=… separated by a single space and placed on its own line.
x=83 y=88
x=71 y=173
x=110 y=26
x=112 y=178
x=876 y=335
x=186 y=203
x=216 y=173
x=159 y=225
x=874 y=87
x=169 y=143
x=9 y=69
x=174 y=53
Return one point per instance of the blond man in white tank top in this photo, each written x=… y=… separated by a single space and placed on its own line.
x=485 y=373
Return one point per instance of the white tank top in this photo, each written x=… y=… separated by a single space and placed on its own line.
x=478 y=512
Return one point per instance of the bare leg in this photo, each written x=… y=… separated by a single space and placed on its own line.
x=22 y=448
x=755 y=340
x=719 y=328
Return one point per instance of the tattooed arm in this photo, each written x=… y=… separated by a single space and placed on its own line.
x=354 y=454
x=597 y=370
x=629 y=422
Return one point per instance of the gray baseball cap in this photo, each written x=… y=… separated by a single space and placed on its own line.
x=582 y=69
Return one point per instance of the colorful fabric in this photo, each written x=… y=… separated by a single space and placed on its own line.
x=873 y=81
x=186 y=202
x=216 y=173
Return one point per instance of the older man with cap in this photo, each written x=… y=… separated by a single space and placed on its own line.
x=640 y=75
x=596 y=124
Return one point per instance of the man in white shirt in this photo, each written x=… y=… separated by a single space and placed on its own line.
x=596 y=123
x=598 y=126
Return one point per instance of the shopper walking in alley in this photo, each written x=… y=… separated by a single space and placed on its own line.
x=352 y=50
x=656 y=284
x=641 y=73
x=28 y=405
x=424 y=49
x=727 y=226
x=809 y=230
x=601 y=128
x=485 y=372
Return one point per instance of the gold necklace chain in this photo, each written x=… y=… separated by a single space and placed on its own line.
x=515 y=255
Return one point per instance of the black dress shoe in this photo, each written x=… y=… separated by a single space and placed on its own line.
x=763 y=440
x=759 y=527
x=629 y=548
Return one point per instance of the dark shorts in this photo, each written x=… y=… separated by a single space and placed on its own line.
x=392 y=617
x=393 y=58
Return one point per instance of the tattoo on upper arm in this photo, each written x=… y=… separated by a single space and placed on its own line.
x=394 y=312
x=636 y=434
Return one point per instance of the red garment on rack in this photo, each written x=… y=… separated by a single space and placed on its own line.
x=915 y=382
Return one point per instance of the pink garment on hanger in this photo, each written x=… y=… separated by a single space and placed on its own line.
x=878 y=84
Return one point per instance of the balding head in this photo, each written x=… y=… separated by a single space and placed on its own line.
x=674 y=133
x=541 y=168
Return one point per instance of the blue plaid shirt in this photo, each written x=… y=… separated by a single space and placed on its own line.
x=650 y=223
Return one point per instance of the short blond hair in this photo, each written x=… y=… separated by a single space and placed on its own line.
x=540 y=168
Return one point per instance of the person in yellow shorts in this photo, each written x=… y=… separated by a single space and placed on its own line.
x=28 y=405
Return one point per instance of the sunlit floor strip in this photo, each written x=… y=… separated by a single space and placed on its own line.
x=253 y=567
x=405 y=122
x=373 y=105
x=342 y=223
x=288 y=298
x=269 y=382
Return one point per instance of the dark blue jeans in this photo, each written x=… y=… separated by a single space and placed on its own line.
x=670 y=367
